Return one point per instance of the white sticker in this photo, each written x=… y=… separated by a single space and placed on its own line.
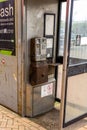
x=47 y=90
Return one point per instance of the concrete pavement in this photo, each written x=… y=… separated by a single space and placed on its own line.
x=12 y=121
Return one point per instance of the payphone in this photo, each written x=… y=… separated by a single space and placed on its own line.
x=38 y=49
x=39 y=66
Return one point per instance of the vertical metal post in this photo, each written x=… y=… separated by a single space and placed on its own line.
x=66 y=56
x=20 y=23
x=24 y=53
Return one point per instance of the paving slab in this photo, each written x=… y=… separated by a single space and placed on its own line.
x=9 y=120
x=12 y=121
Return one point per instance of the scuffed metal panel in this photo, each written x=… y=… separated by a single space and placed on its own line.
x=8 y=82
x=12 y=68
x=29 y=99
x=9 y=76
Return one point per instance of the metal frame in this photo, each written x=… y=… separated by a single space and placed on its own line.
x=65 y=60
x=52 y=47
x=57 y=45
x=20 y=52
x=58 y=30
x=50 y=14
x=58 y=26
x=67 y=66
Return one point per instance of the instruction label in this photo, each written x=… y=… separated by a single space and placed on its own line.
x=47 y=90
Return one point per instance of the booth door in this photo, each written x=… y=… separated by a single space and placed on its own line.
x=74 y=95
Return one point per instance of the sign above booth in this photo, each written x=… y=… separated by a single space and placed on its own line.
x=7 y=27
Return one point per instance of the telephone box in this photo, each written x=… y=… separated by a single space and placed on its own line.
x=28 y=82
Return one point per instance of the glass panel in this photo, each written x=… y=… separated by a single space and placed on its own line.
x=78 y=49
x=76 y=97
x=62 y=29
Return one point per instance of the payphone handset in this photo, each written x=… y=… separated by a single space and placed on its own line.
x=38 y=49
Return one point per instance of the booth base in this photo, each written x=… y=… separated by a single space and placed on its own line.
x=49 y=120
x=40 y=99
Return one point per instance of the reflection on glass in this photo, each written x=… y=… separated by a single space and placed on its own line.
x=62 y=29
x=76 y=97
x=78 y=49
